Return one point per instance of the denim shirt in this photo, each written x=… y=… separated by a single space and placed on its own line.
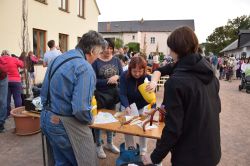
x=71 y=87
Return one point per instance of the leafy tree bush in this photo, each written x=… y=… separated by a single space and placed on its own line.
x=134 y=46
x=224 y=35
x=118 y=43
x=161 y=57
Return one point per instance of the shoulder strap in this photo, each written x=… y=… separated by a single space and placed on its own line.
x=51 y=75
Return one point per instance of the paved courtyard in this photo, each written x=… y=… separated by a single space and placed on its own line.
x=235 y=135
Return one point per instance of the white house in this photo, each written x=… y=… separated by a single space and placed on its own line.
x=64 y=21
x=240 y=47
x=150 y=34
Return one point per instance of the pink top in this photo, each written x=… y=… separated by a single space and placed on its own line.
x=34 y=58
x=12 y=64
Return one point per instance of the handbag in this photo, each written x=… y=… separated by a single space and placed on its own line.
x=129 y=156
x=107 y=98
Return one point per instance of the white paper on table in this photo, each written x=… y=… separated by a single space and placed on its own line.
x=136 y=122
x=134 y=110
x=127 y=118
x=148 y=127
x=146 y=111
x=104 y=117
x=119 y=114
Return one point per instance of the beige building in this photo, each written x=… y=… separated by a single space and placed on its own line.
x=61 y=20
x=150 y=34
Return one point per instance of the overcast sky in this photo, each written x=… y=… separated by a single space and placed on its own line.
x=207 y=14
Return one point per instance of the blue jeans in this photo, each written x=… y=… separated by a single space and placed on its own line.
x=98 y=138
x=3 y=99
x=58 y=139
x=15 y=89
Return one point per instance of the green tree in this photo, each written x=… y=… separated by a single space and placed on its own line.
x=134 y=46
x=224 y=35
x=161 y=56
x=118 y=43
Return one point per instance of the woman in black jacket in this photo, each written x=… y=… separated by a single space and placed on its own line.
x=191 y=98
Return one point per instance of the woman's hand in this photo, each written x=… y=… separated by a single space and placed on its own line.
x=146 y=159
x=128 y=111
x=113 y=80
x=151 y=86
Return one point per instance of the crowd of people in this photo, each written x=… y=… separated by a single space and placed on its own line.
x=189 y=140
x=17 y=77
x=12 y=81
x=228 y=67
x=96 y=68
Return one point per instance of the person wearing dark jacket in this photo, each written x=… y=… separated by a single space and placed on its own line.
x=129 y=82
x=108 y=70
x=167 y=69
x=191 y=98
x=129 y=94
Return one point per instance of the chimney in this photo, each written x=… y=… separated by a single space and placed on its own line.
x=108 y=27
x=142 y=20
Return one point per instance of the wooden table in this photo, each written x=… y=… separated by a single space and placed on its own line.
x=129 y=129
x=116 y=127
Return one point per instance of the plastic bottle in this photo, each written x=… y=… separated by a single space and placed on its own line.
x=94 y=106
x=149 y=97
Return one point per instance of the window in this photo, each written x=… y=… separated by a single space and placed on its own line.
x=81 y=8
x=133 y=37
x=63 y=5
x=63 y=42
x=39 y=42
x=42 y=1
x=152 y=40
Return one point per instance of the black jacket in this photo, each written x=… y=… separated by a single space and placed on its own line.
x=192 y=130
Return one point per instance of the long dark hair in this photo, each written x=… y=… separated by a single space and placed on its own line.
x=23 y=56
x=29 y=61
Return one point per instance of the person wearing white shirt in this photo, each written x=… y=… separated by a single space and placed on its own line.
x=51 y=54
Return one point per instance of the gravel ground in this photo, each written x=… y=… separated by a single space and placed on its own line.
x=235 y=135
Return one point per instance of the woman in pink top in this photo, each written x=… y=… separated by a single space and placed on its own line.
x=31 y=60
x=14 y=86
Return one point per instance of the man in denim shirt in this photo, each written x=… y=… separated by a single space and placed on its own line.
x=66 y=102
